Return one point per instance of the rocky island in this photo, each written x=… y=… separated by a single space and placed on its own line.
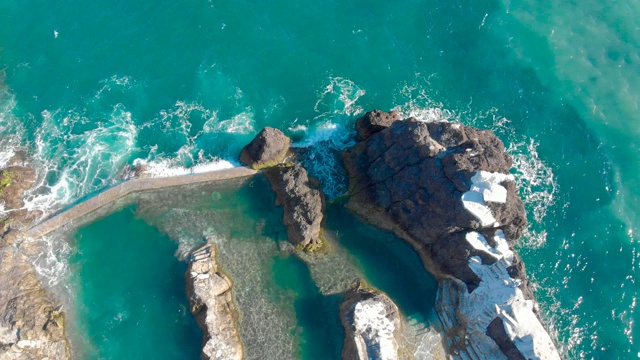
x=446 y=189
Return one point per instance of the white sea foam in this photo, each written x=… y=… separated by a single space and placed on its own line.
x=324 y=142
x=11 y=128
x=49 y=258
x=169 y=167
x=415 y=100
x=327 y=133
x=5 y=156
x=115 y=82
x=242 y=123
x=339 y=97
x=73 y=163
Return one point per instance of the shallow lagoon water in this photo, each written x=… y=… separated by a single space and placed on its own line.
x=130 y=301
x=284 y=313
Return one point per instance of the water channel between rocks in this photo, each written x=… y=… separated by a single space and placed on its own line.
x=126 y=275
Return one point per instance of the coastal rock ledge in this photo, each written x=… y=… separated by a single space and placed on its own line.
x=211 y=301
x=446 y=189
x=31 y=322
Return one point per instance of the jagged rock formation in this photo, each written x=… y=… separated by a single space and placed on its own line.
x=371 y=323
x=374 y=121
x=446 y=189
x=300 y=195
x=211 y=301
x=269 y=148
x=31 y=324
x=303 y=203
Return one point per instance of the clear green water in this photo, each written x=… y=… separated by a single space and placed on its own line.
x=131 y=301
x=90 y=87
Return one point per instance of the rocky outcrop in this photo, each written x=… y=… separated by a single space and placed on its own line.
x=303 y=203
x=211 y=302
x=300 y=195
x=374 y=121
x=269 y=148
x=446 y=189
x=31 y=323
x=14 y=181
x=371 y=322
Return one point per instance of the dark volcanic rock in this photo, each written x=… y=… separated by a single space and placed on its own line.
x=301 y=196
x=269 y=148
x=303 y=203
x=496 y=331
x=446 y=189
x=374 y=121
x=411 y=177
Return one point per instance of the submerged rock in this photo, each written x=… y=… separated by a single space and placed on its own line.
x=269 y=148
x=446 y=189
x=371 y=323
x=31 y=323
x=211 y=302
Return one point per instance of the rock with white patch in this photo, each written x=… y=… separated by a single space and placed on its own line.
x=446 y=189
x=372 y=326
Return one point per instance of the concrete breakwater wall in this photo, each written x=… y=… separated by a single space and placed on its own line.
x=129 y=187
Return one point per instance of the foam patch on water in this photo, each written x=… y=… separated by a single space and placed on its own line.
x=169 y=167
x=76 y=155
x=339 y=97
x=11 y=128
x=414 y=100
x=49 y=257
x=115 y=82
x=537 y=186
x=242 y=123
x=329 y=132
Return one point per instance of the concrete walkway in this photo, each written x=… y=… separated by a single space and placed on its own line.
x=129 y=187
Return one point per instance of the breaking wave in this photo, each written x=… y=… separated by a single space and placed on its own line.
x=75 y=155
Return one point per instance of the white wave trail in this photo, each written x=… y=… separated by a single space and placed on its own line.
x=169 y=167
x=72 y=163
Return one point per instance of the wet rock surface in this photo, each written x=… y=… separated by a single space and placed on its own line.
x=211 y=302
x=31 y=323
x=446 y=189
x=371 y=322
x=375 y=121
x=303 y=203
x=269 y=148
x=300 y=195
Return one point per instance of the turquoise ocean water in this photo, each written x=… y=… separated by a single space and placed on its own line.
x=87 y=88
